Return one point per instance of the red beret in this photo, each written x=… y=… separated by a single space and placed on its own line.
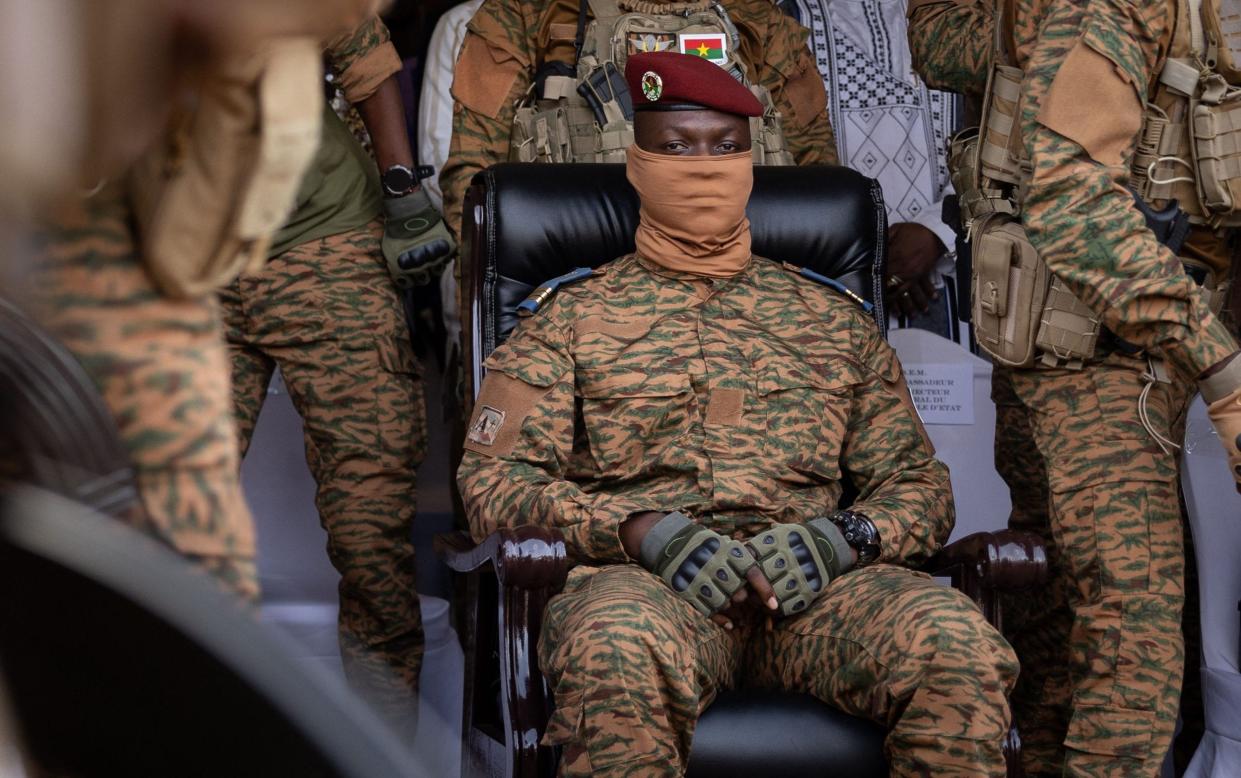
x=667 y=80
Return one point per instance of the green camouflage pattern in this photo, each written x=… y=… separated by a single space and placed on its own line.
x=741 y=402
x=327 y=315
x=1078 y=213
x=520 y=35
x=1101 y=646
x=161 y=367
x=632 y=667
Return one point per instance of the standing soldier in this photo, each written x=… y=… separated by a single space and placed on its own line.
x=541 y=80
x=325 y=311
x=193 y=162
x=1098 y=331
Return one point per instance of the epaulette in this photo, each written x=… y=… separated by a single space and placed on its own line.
x=831 y=283
x=543 y=293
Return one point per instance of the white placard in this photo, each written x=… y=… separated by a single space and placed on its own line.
x=943 y=393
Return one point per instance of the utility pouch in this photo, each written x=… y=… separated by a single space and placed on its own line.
x=1221 y=21
x=1217 y=154
x=1008 y=287
x=1001 y=154
x=540 y=134
x=1067 y=330
x=767 y=132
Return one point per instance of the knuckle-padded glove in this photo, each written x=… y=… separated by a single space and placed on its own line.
x=1222 y=393
x=416 y=242
x=702 y=566
x=800 y=560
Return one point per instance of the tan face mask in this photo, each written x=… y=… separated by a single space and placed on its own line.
x=692 y=217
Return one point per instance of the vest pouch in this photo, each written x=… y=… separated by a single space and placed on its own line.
x=1217 y=157
x=541 y=134
x=1001 y=154
x=767 y=132
x=1221 y=21
x=1067 y=330
x=1008 y=288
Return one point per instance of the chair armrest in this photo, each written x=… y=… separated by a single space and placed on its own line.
x=986 y=563
x=526 y=557
x=1005 y=560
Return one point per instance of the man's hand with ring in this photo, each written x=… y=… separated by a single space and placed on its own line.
x=913 y=251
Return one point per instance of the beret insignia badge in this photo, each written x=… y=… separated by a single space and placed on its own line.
x=652 y=85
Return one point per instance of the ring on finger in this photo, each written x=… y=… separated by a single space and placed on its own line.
x=895 y=281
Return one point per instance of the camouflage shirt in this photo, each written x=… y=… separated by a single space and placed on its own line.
x=509 y=40
x=1078 y=212
x=742 y=402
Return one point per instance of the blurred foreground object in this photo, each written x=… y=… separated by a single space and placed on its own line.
x=119 y=659
x=88 y=83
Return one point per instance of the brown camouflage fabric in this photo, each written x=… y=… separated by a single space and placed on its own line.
x=742 y=402
x=632 y=667
x=327 y=315
x=1078 y=213
x=1101 y=647
x=507 y=41
x=162 y=369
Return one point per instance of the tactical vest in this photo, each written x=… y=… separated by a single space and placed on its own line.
x=588 y=116
x=1189 y=150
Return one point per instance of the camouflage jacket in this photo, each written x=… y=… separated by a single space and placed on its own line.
x=742 y=402
x=508 y=40
x=1078 y=212
x=362 y=59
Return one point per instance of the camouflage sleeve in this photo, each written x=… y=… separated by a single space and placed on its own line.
x=518 y=442
x=902 y=487
x=796 y=87
x=951 y=43
x=362 y=59
x=493 y=71
x=1082 y=113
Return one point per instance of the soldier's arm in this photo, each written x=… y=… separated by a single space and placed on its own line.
x=365 y=64
x=797 y=90
x=519 y=441
x=951 y=42
x=493 y=72
x=1080 y=123
x=902 y=487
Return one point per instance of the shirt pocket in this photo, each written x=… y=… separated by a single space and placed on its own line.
x=632 y=418
x=806 y=407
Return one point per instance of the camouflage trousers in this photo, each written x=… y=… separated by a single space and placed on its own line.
x=327 y=314
x=632 y=667
x=1101 y=647
x=162 y=369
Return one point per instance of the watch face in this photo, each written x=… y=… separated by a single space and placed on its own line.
x=398 y=180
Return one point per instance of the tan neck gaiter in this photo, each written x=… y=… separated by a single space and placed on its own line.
x=692 y=217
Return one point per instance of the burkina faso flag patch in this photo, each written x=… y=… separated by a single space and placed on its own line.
x=708 y=45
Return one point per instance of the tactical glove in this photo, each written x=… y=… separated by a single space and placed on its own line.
x=1222 y=393
x=703 y=567
x=416 y=241
x=800 y=560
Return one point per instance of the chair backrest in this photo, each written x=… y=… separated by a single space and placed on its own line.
x=118 y=658
x=527 y=223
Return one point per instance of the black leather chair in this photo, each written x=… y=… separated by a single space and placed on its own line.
x=118 y=659
x=525 y=224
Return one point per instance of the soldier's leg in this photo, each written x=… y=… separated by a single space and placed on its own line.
x=631 y=666
x=251 y=368
x=894 y=646
x=161 y=367
x=1116 y=522
x=327 y=313
x=1036 y=622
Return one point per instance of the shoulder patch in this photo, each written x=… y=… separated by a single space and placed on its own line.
x=831 y=283
x=544 y=292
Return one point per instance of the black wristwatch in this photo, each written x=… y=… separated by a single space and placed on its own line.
x=860 y=533
x=398 y=180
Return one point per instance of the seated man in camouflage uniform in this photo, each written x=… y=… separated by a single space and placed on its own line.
x=685 y=416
